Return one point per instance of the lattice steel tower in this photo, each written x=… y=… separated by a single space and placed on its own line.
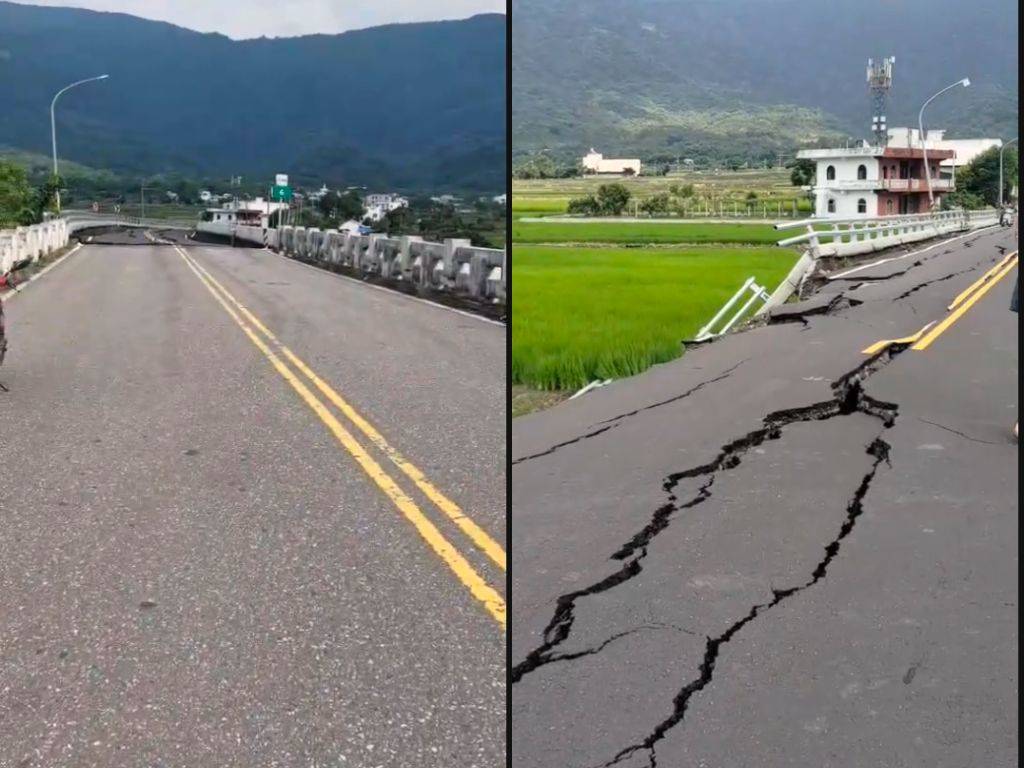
x=879 y=84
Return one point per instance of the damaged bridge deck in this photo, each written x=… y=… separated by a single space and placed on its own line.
x=794 y=546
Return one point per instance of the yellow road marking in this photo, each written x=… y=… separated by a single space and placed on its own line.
x=493 y=602
x=970 y=289
x=937 y=331
x=476 y=534
x=878 y=346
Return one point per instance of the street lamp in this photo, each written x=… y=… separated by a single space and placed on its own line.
x=920 y=128
x=53 y=124
x=1011 y=141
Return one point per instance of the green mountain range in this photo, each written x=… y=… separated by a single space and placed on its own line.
x=746 y=79
x=417 y=107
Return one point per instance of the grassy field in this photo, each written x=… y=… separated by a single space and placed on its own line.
x=538 y=206
x=640 y=232
x=724 y=191
x=583 y=314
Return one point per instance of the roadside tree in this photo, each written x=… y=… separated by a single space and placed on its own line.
x=656 y=204
x=612 y=199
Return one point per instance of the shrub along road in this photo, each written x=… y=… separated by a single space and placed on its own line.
x=796 y=545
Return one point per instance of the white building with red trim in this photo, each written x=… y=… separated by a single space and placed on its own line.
x=876 y=181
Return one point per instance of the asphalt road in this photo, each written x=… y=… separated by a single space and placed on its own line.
x=781 y=550
x=205 y=560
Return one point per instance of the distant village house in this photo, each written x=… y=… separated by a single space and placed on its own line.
x=595 y=162
x=253 y=213
x=377 y=206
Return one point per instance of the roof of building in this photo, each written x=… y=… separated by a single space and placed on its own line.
x=905 y=153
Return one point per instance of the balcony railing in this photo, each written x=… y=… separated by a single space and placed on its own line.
x=915 y=185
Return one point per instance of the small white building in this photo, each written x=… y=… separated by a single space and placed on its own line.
x=499 y=199
x=319 y=194
x=595 y=162
x=377 y=206
x=253 y=213
x=205 y=195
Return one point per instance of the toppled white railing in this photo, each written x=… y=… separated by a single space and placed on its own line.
x=850 y=237
x=756 y=292
x=32 y=242
x=455 y=265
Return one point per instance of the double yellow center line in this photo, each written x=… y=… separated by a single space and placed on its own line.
x=492 y=601
x=968 y=299
x=958 y=308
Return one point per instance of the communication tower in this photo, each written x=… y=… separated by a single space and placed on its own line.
x=879 y=85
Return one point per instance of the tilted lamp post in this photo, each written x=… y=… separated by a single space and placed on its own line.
x=53 y=124
x=920 y=128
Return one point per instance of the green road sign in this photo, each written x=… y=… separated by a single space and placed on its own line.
x=280 y=194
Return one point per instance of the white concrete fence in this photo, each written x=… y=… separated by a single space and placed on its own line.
x=31 y=243
x=454 y=265
x=850 y=237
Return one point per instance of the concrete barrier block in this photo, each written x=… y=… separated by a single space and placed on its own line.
x=405 y=257
x=451 y=246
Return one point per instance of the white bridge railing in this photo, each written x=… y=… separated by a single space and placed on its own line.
x=31 y=243
x=756 y=291
x=455 y=265
x=847 y=237
x=87 y=219
x=850 y=237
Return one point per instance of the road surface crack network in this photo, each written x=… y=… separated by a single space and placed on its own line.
x=879 y=449
x=838 y=302
x=848 y=398
x=950 y=276
x=616 y=420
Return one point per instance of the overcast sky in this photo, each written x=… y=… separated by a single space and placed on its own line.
x=285 y=18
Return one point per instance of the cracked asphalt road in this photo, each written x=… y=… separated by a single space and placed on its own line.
x=193 y=572
x=779 y=550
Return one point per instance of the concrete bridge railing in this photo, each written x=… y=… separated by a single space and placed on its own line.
x=32 y=242
x=78 y=220
x=850 y=237
x=454 y=265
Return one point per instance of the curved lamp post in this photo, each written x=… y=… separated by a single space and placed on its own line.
x=53 y=123
x=1011 y=141
x=920 y=129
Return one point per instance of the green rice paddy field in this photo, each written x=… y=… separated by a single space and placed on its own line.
x=608 y=299
x=583 y=314
x=641 y=233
